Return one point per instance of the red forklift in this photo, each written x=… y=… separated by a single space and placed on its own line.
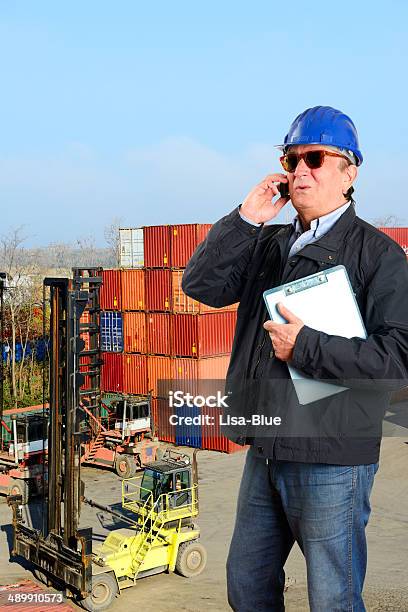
x=123 y=439
x=23 y=452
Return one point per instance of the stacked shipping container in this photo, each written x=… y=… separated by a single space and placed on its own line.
x=166 y=336
x=399 y=234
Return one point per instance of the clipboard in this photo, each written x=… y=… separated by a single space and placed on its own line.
x=325 y=301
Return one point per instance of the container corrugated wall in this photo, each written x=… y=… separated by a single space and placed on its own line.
x=135 y=374
x=211 y=433
x=131 y=252
x=158 y=333
x=134 y=332
x=158 y=290
x=133 y=290
x=112 y=372
x=203 y=335
x=157 y=246
x=159 y=369
x=111 y=325
x=188 y=435
x=84 y=320
x=84 y=367
x=184 y=240
x=184 y=304
x=161 y=413
x=189 y=372
x=111 y=290
x=399 y=234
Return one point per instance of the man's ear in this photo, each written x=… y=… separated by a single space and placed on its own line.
x=350 y=174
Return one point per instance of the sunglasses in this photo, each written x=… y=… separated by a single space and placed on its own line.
x=312 y=159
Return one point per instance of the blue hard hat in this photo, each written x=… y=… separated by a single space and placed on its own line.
x=326 y=126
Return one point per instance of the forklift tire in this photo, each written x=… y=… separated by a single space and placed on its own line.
x=104 y=591
x=191 y=559
x=20 y=487
x=125 y=466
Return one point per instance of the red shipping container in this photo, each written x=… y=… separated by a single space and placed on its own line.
x=185 y=304
x=84 y=320
x=156 y=240
x=399 y=234
x=158 y=333
x=133 y=289
x=111 y=290
x=134 y=374
x=188 y=373
x=112 y=372
x=202 y=335
x=183 y=241
x=161 y=412
x=211 y=433
x=84 y=367
x=159 y=369
x=134 y=332
x=158 y=290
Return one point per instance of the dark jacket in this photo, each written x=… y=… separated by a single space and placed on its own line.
x=236 y=263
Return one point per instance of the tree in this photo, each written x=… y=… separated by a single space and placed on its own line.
x=88 y=252
x=22 y=297
x=112 y=238
x=388 y=221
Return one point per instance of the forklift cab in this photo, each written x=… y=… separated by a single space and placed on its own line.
x=29 y=436
x=167 y=483
x=132 y=416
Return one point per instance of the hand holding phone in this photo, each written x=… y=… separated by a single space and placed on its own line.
x=259 y=205
x=284 y=190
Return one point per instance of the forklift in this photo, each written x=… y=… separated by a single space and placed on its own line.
x=23 y=453
x=162 y=503
x=163 y=536
x=123 y=440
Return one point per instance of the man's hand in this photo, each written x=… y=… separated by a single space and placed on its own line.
x=258 y=205
x=283 y=336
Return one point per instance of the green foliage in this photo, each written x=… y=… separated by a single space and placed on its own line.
x=29 y=387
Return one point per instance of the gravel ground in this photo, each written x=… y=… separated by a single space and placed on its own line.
x=386 y=587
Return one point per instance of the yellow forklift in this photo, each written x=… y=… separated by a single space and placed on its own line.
x=165 y=502
x=162 y=503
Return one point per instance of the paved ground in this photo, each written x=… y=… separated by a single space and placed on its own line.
x=387 y=578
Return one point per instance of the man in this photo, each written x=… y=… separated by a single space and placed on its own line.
x=310 y=480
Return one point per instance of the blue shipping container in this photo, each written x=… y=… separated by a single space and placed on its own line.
x=111 y=332
x=188 y=435
x=41 y=348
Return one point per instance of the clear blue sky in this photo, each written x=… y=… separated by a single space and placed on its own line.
x=168 y=111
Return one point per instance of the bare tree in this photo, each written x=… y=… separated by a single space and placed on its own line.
x=111 y=234
x=23 y=293
x=88 y=251
x=388 y=221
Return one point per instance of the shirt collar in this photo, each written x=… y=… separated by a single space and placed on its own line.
x=325 y=222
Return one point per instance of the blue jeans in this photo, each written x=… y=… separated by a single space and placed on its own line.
x=325 y=508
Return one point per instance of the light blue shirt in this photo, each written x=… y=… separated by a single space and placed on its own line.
x=318 y=227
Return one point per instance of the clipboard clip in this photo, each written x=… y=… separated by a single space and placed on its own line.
x=306 y=283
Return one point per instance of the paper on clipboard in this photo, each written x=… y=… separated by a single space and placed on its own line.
x=324 y=301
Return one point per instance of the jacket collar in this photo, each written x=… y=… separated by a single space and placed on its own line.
x=325 y=249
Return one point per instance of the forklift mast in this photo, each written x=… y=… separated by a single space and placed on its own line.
x=61 y=550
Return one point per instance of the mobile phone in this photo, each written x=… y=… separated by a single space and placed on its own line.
x=284 y=189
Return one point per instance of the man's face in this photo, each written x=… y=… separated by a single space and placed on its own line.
x=321 y=189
